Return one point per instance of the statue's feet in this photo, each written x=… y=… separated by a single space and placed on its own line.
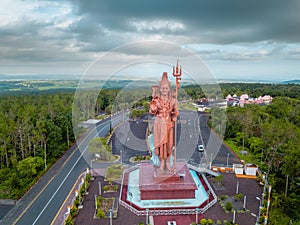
x=170 y=171
x=160 y=171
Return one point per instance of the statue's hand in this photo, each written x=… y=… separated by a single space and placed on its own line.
x=174 y=119
x=153 y=106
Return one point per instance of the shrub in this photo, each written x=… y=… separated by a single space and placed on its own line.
x=73 y=211
x=203 y=221
x=69 y=221
x=88 y=178
x=210 y=221
x=82 y=190
x=76 y=201
x=238 y=196
x=115 y=187
x=105 y=188
x=227 y=222
x=100 y=213
x=223 y=197
x=219 y=222
x=228 y=206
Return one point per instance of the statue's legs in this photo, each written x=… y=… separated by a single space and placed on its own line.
x=169 y=168
x=162 y=164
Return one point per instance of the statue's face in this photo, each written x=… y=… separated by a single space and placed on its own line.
x=164 y=89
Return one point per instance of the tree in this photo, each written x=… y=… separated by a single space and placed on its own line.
x=30 y=166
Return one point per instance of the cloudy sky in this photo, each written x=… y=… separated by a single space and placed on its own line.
x=255 y=39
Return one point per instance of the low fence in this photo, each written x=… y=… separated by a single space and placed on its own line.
x=62 y=219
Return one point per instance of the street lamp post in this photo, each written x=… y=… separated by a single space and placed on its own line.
x=197 y=210
x=227 y=160
x=110 y=216
x=91 y=166
x=237 y=187
x=257 y=220
x=245 y=197
x=147 y=214
x=110 y=123
x=95 y=201
x=233 y=219
x=121 y=158
x=99 y=185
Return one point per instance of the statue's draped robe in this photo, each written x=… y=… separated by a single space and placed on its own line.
x=163 y=125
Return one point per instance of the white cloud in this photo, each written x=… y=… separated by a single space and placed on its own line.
x=157 y=25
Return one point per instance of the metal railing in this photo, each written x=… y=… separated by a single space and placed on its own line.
x=67 y=213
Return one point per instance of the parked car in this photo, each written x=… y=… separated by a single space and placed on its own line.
x=201 y=148
x=171 y=223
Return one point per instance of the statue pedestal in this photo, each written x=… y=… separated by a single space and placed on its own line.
x=162 y=185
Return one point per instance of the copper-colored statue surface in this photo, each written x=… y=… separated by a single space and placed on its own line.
x=164 y=107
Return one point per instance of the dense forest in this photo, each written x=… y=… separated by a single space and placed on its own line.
x=36 y=129
x=271 y=135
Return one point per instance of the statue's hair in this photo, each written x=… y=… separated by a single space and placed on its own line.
x=164 y=79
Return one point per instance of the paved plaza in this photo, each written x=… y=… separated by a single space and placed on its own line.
x=248 y=187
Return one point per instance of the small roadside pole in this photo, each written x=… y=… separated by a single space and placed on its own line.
x=99 y=184
x=110 y=216
x=95 y=201
x=147 y=214
x=121 y=159
x=233 y=219
x=227 y=160
x=245 y=197
x=197 y=210
x=237 y=187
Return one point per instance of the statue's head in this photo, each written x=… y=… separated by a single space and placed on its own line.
x=164 y=84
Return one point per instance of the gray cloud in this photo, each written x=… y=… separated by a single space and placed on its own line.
x=97 y=26
x=212 y=21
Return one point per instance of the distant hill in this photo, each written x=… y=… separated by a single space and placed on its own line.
x=295 y=81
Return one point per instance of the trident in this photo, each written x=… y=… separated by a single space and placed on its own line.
x=177 y=72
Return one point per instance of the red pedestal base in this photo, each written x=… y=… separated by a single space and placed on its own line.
x=158 y=185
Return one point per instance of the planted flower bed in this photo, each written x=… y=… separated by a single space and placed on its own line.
x=103 y=207
x=231 y=203
x=110 y=188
